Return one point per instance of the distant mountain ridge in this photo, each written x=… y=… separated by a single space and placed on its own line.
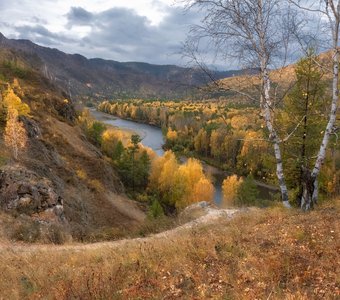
x=99 y=79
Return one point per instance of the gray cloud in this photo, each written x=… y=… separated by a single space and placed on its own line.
x=78 y=16
x=41 y=35
x=117 y=33
x=122 y=34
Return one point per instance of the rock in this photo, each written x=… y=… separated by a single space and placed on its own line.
x=24 y=191
x=24 y=202
x=32 y=128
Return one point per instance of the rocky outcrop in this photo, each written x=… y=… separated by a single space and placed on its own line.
x=24 y=192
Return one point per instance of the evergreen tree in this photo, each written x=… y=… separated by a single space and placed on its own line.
x=305 y=117
x=247 y=193
x=133 y=167
x=118 y=151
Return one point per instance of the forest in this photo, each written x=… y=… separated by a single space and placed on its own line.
x=234 y=137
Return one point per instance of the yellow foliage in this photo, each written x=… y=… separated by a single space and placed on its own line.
x=171 y=135
x=253 y=143
x=170 y=167
x=157 y=167
x=203 y=191
x=109 y=140
x=81 y=174
x=239 y=122
x=184 y=184
x=11 y=100
x=152 y=154
x=197 y=186
x=229 y=188
x=191 y=172
x=15 y=135
x=96 y=185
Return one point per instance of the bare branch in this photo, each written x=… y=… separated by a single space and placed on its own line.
x=293 y=131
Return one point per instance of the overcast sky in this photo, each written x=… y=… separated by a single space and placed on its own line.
x=130 y=30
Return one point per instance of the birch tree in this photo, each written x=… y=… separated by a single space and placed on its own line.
x=15 y=135
x=256 y=32
x=329 y=10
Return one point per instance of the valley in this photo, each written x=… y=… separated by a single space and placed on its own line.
x=151 y=150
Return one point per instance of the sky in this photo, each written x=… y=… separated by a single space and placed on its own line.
x=123 y=30
x=150 y=31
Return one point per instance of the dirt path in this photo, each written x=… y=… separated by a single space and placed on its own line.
x=211 y=215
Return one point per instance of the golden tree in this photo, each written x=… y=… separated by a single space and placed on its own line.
x=15 y=134
x=203 y=190
x=11 y=100
x=171 y=135
x=230 y=187
x=197 y=186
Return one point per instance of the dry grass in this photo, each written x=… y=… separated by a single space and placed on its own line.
x=262 y=254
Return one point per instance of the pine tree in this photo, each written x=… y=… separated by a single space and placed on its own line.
x=247 y=193
x=118 y=151
x=304 y=116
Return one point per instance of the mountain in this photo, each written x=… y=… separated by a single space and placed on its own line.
x=99 y=79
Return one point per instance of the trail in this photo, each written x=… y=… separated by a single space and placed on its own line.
x=210 y=216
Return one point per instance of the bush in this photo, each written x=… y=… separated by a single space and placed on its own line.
x=27 y=232
x=56 y=234
x=95 y=131
x=156 y=210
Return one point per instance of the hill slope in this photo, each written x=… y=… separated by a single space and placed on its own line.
x=61 y=178
x=259 y=254
x=99 y=78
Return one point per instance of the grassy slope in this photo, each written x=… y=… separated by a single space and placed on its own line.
x=260 y=254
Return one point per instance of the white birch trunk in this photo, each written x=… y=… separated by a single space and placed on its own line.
x=274 y=137
x=332 y=118
x=308 y=203
x=334 y=106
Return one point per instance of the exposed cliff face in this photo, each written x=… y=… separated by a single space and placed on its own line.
x=26 y=192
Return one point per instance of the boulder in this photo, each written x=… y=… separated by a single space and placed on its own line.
x=24 y=191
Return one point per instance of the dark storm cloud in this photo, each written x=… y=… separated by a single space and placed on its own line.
x=122 y=34
x=117 y=33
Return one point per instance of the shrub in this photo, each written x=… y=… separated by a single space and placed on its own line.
x=27 y=232
x=95 y=132
x=156 y=210
x=56 y=234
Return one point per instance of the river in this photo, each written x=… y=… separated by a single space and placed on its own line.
x=152 y=137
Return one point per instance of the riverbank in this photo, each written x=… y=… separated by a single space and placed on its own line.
x=107 y=119
x=152 y=137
